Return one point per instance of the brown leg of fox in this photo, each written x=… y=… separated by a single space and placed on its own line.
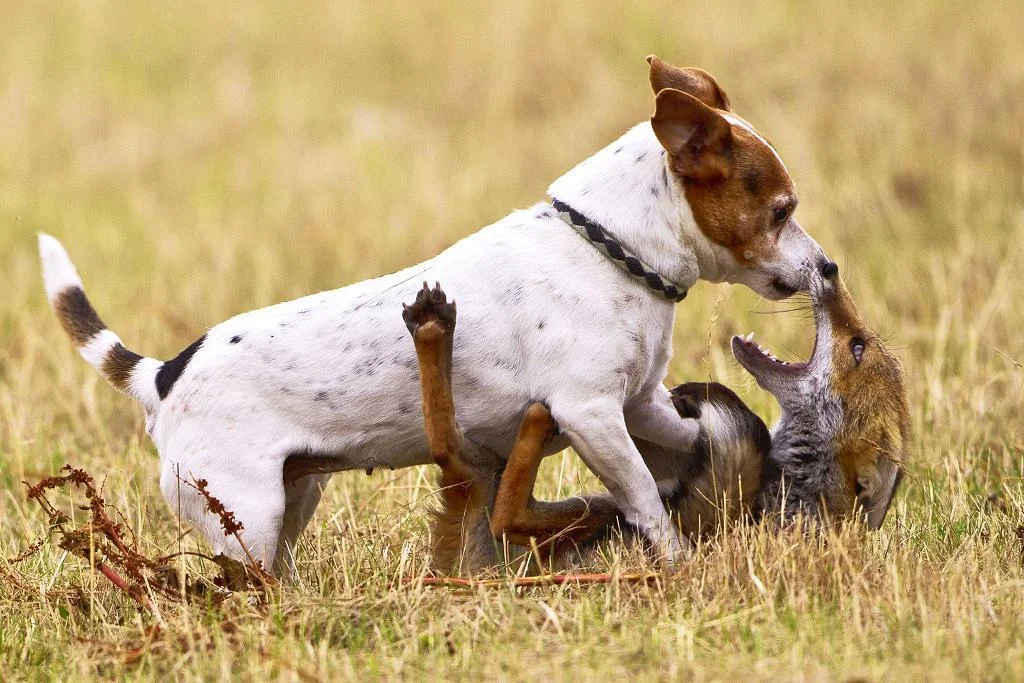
x=431 y=320
x=519 y=517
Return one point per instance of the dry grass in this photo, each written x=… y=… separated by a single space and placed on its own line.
x=204 y=159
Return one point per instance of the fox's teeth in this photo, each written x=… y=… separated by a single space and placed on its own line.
x=749 y=337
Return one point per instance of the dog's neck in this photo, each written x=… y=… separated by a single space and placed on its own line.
x=628 y=189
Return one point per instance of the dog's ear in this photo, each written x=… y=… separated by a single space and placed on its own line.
x=690 y=80
x=697 y=138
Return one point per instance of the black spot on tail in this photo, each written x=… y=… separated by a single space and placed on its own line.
x=77 y=316
x=118 y=365
x=171 y=370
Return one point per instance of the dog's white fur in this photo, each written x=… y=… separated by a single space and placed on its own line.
x=543 y=316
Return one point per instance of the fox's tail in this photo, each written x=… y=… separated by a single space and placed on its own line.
x=129 y=372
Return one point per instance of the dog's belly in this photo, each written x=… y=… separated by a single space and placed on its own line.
x=334 y=375
x=363 y=412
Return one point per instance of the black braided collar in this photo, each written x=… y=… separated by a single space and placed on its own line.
x=620 y=255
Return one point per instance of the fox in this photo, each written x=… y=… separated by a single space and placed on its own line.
x=837 y=451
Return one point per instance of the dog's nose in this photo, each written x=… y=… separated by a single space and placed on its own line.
x=829 y=269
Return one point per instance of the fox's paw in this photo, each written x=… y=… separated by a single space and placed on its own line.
x=430 y=313
x=723 y=415
x=690 y=397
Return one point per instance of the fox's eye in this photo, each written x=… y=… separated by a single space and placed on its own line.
x=781 y=215
x=857 y=349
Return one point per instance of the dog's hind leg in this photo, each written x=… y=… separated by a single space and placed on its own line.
x=464 y=493
x=238 y=522
x=301 y=498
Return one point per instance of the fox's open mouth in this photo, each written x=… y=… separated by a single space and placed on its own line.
x=756 y=359
x=771 y=372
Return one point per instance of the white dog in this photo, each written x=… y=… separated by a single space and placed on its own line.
x=569 y=303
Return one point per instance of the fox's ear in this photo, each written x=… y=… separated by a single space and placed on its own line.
x=876 y=474
x=697 y=138
x=690 y=80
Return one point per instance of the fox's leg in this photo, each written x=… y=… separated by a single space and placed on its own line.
x=519 y=517
x=464 y=493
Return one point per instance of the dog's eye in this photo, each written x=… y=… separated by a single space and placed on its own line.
x=781 y=215
x=857 y=349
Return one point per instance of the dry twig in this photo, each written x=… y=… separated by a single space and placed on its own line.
x=528 y=581
x=112 y=549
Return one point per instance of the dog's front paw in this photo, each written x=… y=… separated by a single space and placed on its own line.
x=430 y=312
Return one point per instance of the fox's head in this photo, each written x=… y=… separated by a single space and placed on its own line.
x=839 y=446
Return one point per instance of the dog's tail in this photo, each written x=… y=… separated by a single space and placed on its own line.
x=129 y=372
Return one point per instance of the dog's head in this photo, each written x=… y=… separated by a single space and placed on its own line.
x=737 y=187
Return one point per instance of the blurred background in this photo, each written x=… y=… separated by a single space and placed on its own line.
x=208 y=159
x=212 y=158
x=203 y=159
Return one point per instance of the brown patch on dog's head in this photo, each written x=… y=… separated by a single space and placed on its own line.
x=740 y=193
x=690 y=80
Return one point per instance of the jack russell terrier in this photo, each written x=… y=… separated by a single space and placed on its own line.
x=267 y=404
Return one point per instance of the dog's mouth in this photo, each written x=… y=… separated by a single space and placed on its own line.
x=783 y=288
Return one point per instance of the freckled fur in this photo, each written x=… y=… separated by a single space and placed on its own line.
x=709 y=486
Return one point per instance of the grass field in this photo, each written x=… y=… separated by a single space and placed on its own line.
x=202 y=159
